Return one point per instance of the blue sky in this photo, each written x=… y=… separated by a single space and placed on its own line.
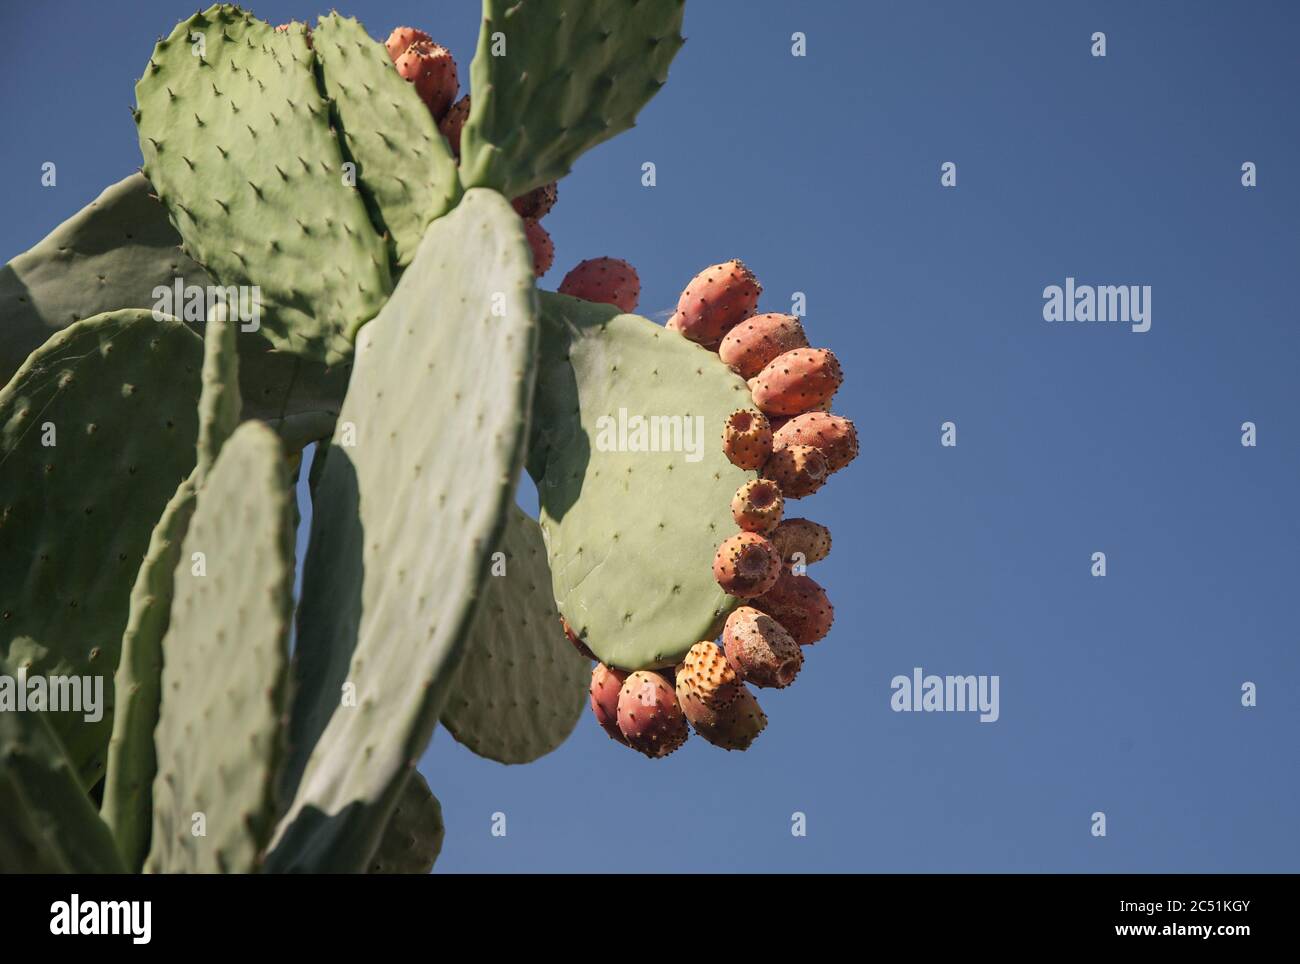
x=1119 y=694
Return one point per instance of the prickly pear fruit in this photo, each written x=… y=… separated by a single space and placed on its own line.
x=539 y=239
x=433 y=71
x=799 y=470
x=754 y=342
x=538 y=202
x=606 y=683
x=401 y=38
x=760 y=650
x=747 y=439
x=610 y=281
x=706 y=674
x=734 y=727
x=757 y=506
x=648 y=715
x=746 y=565
x=802 y=536
x=454 y=122
x=798 y=381
x=576 y=640
x=716 y=300
x=800 y=605
x=832 y=435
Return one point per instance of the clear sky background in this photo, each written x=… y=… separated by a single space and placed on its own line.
x=1119 y=694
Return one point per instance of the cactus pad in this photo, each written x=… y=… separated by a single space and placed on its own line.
x=220 y=737
x=117 y=395
x=237 y=140
x=410 y=503
x=405 y=169
x=573 y=73
x=522 y=685
x=413 y=838
x=109 y=255
x=113 y=254
x=47 y=824
x=131 y=760
x=631 y=534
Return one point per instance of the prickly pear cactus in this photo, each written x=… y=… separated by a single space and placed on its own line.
x=551 y=80
x=522 y=685
x=387 y=604
x=236 y=138
x=48 y=824
x=405 y=170
x=127 y=806
x=413 y=837
x=232 y=608
x=117 y=253
x=320 y=168
x=97 y=430
x=646 y=512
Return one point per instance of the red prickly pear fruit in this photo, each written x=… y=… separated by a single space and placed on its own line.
x=760 y=650
x=747 y=439
x=648 y=715
x=804 y=537
x=832 y=435
x=799 y=470
x=609 y=281
x=538 y=202
x=734 y=727
x=433 y=71
x=401 y=38
x=606 y=683
x=716 y=300
x=451 y=125
x=757 y=506
x=754 y=342
x=797 y=381
x=800 y=605
x=746 y=565
x=706 y=674
x=539 y=239
x=576 y=640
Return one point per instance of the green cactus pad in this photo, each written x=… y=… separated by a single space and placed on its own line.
x=410 y=503
x=413 y=838
x=128 y=788
x=631 y=534
x=219 y=402
x=114 y=254
x=573 y=74
x=119 y=392
x=220 y=735
x=237 y=139
x=522 y=685
x=47 y=823
x=405 y=169
x=131 y=760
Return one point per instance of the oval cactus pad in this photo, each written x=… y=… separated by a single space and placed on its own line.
x=410 y=503
x=522 y=685
x=97 y=430
x=634 y=488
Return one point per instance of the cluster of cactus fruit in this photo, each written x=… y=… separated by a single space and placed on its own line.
x=793 y=440
x=391 y=230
